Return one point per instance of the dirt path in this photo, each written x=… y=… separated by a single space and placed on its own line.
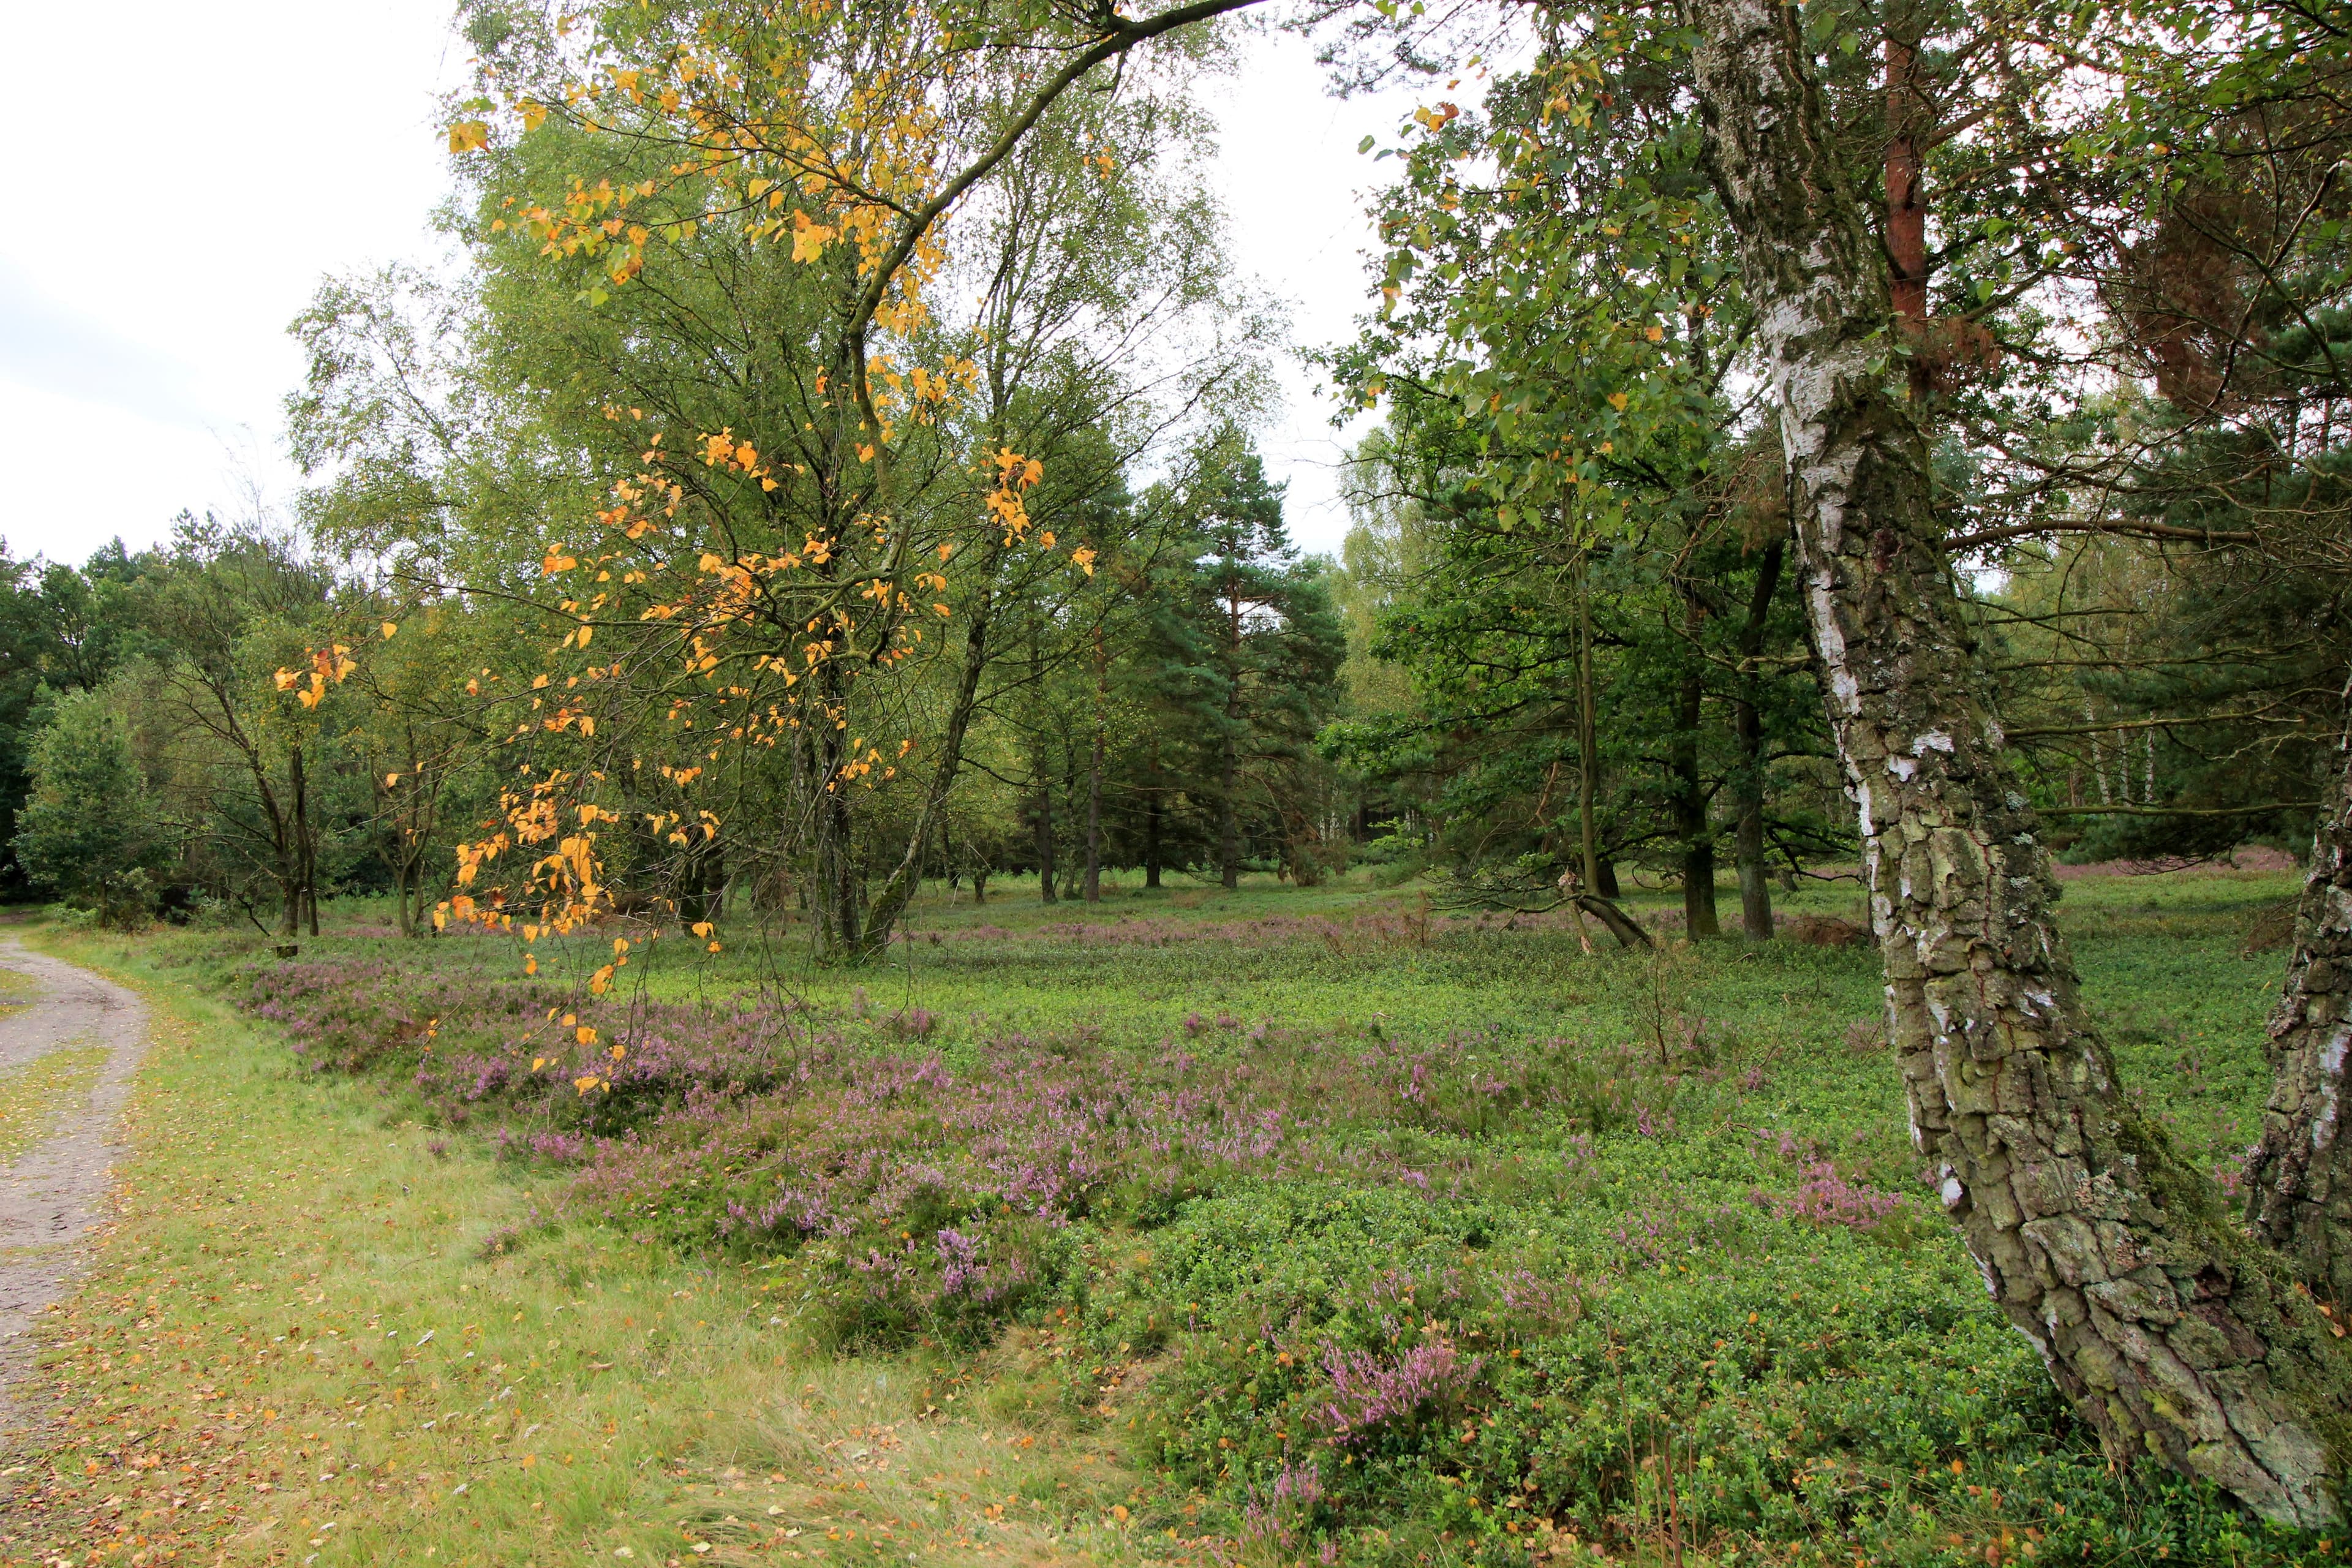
x=52 y=1191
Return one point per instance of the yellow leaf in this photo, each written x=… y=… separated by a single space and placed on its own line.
x=701 y=928
x=390 y=780
x=468 y=135
x=584 y=1035
x=1618 y=400
x=389 y=627
x=620 y=1051
x=808 y=238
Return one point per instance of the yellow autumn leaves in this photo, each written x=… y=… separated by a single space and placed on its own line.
x=329 y=665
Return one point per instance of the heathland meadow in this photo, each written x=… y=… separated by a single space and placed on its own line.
x=1277 y=1226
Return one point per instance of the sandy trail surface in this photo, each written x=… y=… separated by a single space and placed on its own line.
x=52 y=1193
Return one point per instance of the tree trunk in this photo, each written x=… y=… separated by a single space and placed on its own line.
x=1229 y=831
x=298 y=879
x=2299 y=1177
x=836 y=883
x=402 y=873
x=2171 y=1334
x=1588 y=738
x=1748 y=726
x=1045 y=843
x=1152 y=822
x=891 y=903
x=1095 y=774
x=1229 y=822
x=835 y=889
x=1620 y=925
x=1691 y=822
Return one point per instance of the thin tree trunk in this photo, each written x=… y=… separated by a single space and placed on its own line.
x=1073 y=874
x=1152 y=822
x=1095 y=774
x=2169 y=1332
x=297 y=880
x=1587 y=736
x=1045 y=843
x=1229 y=830
x=1691 y=822
x=2299 y=1177
x=1755 y=885
x=890 y=903
x=837 y=883
x=401 y=849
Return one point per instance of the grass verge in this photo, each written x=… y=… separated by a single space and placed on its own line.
x=314 y=1331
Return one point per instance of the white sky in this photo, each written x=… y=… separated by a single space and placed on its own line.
x=172 y=223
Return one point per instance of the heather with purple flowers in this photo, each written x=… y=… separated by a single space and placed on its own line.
x=1370 y=1392
x=1372 y=1290
x=1826 y=1198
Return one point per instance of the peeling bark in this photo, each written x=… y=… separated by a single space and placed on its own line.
x=2169 y=1332
x=2300 y=1176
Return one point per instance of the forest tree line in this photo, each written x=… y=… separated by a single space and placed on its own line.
x=1616 y=678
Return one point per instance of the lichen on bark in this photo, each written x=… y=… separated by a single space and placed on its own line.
x=2299 y=1177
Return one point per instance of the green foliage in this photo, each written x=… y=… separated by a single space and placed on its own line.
x=1559 y=1239
x=89 y=829
x=1244 y=652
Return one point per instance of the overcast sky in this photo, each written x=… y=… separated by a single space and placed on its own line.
x=172 y=215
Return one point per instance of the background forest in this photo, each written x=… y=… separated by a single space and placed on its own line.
x=1565 y=632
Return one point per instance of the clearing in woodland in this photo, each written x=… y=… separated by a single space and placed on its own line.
x=1270 y=1226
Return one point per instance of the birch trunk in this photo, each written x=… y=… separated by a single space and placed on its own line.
x=2300 y=1178
x=2170 y=1333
